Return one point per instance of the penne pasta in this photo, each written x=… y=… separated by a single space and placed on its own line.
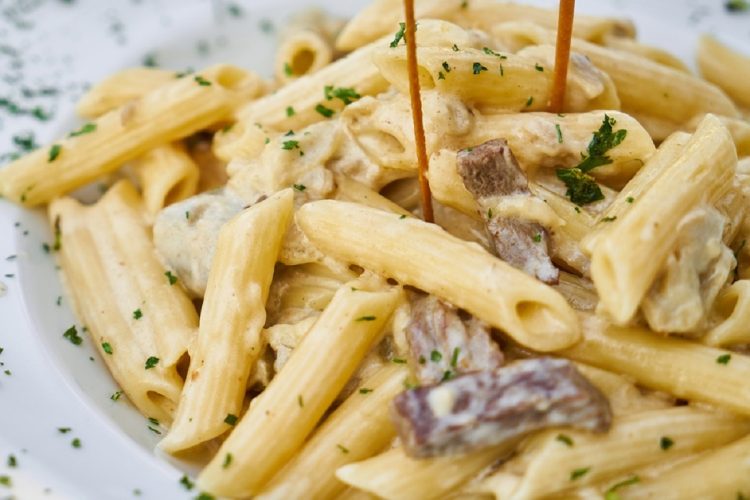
x=294 y=401
x=232 y=317
x=141 y=322
x=166 y=175
x=724 y=67
x=167 y=113
x=306 y=45
x=412 y=251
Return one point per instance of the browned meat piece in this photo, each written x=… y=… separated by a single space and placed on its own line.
x=490 y=171
x=442 y=344
x=488 y=408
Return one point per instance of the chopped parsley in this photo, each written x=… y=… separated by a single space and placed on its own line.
x=365 y=390
x=227 y=461
x=630 y=199
x=477 y=68
x=289 y=145
x=186 y=482
x=287 y=69
x=230 y=419
x=530 y=101
x=447 y=375
x=666 y=443
x=538 y=67
x=72 y=335
x=151 y=362
x=724 y=359
x=64 y=430
x=454 y=358
x=399 y=361
x=489 y=213
x=347 y=95
x=149 y=61
x=402 y=217
x=12 y=461
x=611 y=493
x=579 y=473
x=107 y=347
x=564 y=438
x=299 y=187
x=155 y=431
x=153 y=420
x=399 y=35
x=290 y=111
x=491 y=52
x=558 y=130
x=54 y=152
x=582 y=188
x=137 y=314
x=171 y=277
x=446 y=67
x=201 y=81
x=436 y=356
x=76 y=443
x=441 y=76
x=537 y=237
x=300 y=401
x=327 y=112
x=6 y=481
x=455 y=48
x=115 y=395
x=365 y=318
x=343 y=449
x=204 y=496
x=737 y=5
x=86 y=129
x=609 y=219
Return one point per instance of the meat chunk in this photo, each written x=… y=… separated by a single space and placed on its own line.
x=443 y=344
x=491 y=407
x=490 y=173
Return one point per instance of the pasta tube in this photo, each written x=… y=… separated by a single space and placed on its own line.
x=731 y=314
x=427 y=257
x=358 y=429
x=682 y=368
x=295 y=400
x=121 y=88
x=139 y=319
x=724 y=67
x=232 y=317
x=167 y=174
x=170 y=112
x=306 y=45
x=627 y=259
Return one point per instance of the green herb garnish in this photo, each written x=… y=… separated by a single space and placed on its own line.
x=72 y=335
x=151 y=362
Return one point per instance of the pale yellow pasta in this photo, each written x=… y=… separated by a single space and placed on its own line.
x=425 y=256
x=634 y=441
x=393 y=475
x=653 y=53
x=169 y=112
x=166 y=174
x=232 y=317
x=725 y=67
x=359 y=428
x=306 y=44
x=660 y=97
x=660 y=363
x=119 y=89
x=382 y=17
x=738 y=127
x=625 y=261
x=132 y=317
x=494 y=81
x=295 y=399
x=723 y=473
x=353 y=191
x=731 y=315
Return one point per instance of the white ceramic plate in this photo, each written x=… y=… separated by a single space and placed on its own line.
x=65 y=45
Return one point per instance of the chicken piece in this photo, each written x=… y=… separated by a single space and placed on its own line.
x=492 y=407
x=491 y=173
x=443 y=344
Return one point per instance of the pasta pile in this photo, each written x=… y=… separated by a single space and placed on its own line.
x=574 y=324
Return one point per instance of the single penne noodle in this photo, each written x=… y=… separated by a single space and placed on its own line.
x=358 y=429
x=306 y=44
x=356 y=192
x=170 y=112
x=738 y=127
x=723 y=473
x=393 y=475
x=653 y=53
x=382 y=17
x=424 y=255
x=668 y=152
x=141 y=322
x=166 y=174
x=232 y=318
x=627 y=259
x=633 y=442
x=498 y=82
x=659 y=363
x=724 y=67
x=294 y=401
x=731 y=314
x=119 y=89
x=660 y=97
